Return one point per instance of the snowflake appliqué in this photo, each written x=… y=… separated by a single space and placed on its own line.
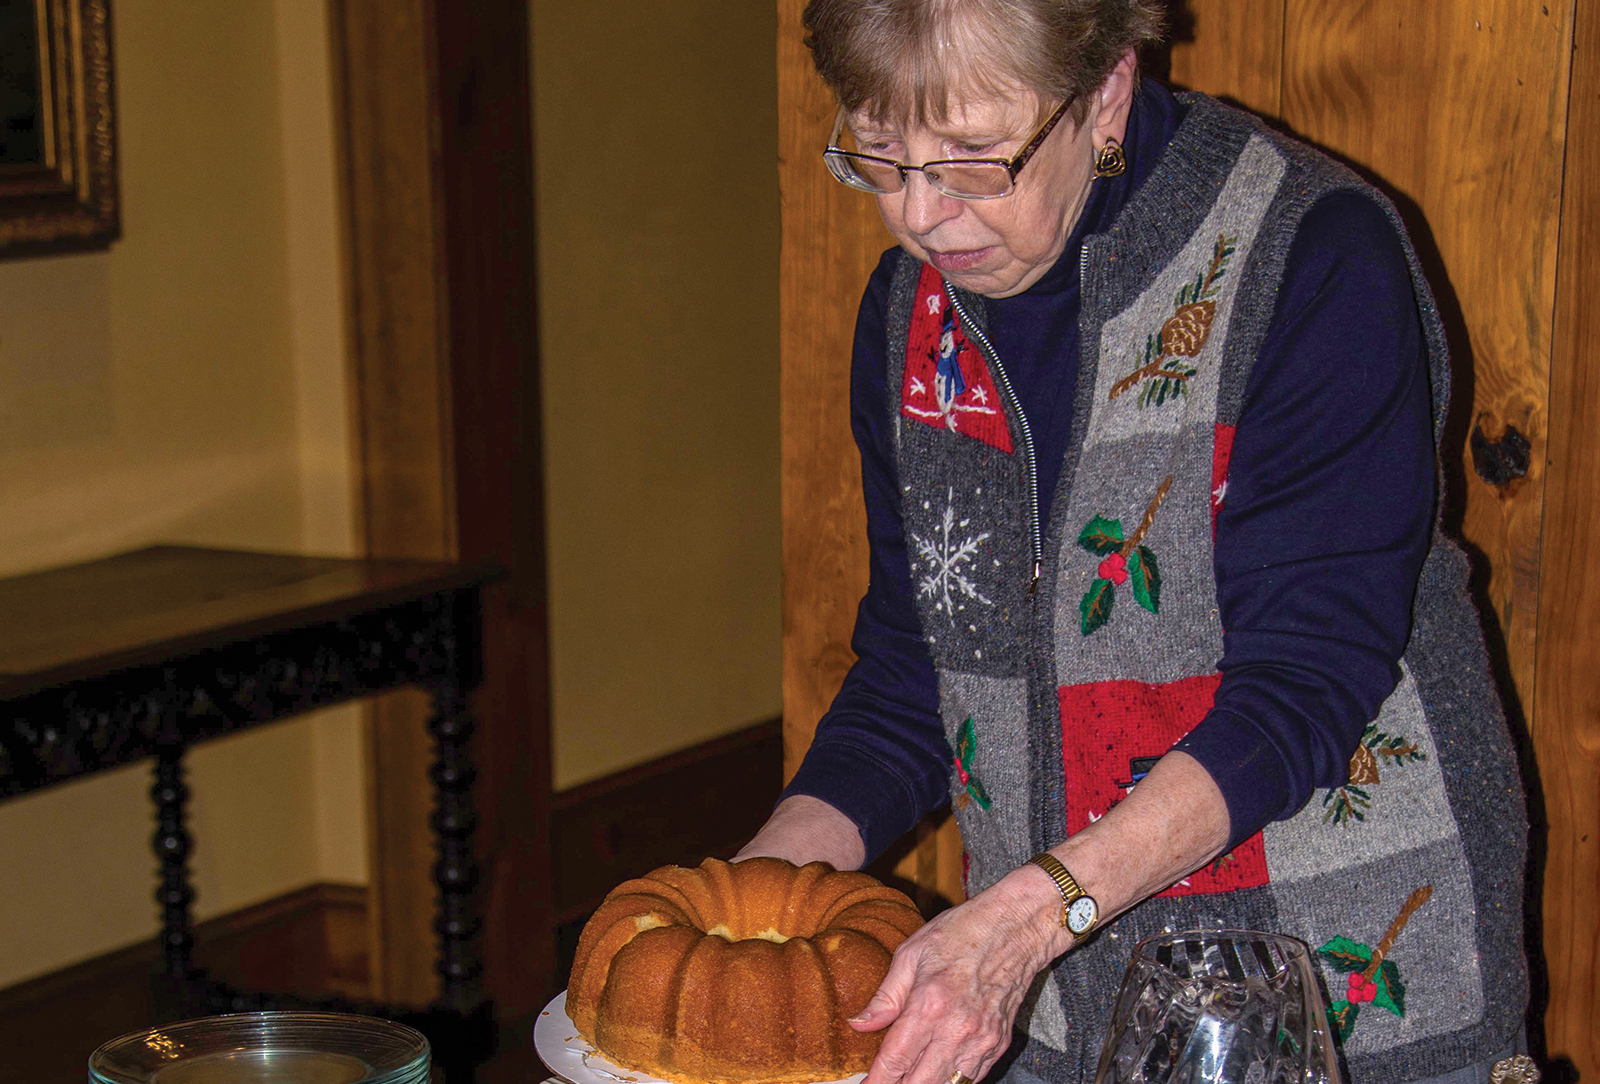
x=948 y=562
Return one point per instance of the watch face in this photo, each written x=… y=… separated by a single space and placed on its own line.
x=1082 y=913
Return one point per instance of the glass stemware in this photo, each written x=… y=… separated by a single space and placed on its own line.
x=1219 y=1007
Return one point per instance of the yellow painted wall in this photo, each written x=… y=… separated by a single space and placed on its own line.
x=658 y=297
x=187 y=385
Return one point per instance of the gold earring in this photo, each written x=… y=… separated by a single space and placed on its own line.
x=1111 y=161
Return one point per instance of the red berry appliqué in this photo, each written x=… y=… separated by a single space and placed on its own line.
x=1115 y=569
x=1362 y=989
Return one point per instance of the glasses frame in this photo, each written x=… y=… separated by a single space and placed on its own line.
x=1012 y=165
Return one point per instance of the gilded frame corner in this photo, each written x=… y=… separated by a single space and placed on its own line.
x=67 y=200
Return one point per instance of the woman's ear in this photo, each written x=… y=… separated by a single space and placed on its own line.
x=1116 y=100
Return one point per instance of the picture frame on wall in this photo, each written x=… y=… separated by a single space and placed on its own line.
x=58 y=175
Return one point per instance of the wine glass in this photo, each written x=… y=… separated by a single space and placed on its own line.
x=1219 y=1007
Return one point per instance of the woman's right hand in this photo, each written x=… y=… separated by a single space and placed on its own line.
x=805 y=829
x=955 y=985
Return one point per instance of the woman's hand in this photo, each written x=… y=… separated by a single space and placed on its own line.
x=805 y=829
x=955 y=985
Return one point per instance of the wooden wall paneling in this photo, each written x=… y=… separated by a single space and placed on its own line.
x=831 y=239
x=1461 y=109
x=708 y=799
x=1567 y=697
x=1458 y=108
x=403 y=421
x=485 y=175
x=1230 y=49
x=438 y=190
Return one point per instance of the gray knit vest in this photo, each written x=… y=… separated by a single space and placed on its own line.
x=1057 y=698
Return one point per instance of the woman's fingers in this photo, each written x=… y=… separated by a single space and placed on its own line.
x=954 y=988
x=933 y=1039
x=883 y=1008
x=944 y=1018
x=905 y=1059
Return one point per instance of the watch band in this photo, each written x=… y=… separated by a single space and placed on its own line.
x=1070 y=889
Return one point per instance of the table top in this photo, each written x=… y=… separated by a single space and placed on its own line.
x=166 y=601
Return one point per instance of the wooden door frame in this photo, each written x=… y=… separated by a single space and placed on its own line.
x=433 y=131
x=1566 y=694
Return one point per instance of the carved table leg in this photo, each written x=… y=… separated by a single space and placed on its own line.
x=456 y=872
x=172 y=843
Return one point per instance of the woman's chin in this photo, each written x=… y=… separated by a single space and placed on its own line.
x=988 y=283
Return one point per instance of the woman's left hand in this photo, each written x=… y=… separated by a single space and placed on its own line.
x=954 y=986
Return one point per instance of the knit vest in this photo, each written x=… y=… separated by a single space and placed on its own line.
x=1069 y=662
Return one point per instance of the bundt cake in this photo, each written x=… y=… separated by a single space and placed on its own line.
x=737 y=974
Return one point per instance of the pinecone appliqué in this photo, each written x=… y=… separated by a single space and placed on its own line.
x=1183 y=335
x=1363 y=767
x=1378 y=750
x=1186 y=332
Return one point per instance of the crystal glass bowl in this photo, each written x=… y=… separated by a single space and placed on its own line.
x=1219 y=1007
x=266 y=1048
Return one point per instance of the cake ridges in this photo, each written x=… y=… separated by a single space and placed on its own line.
x=666 y=998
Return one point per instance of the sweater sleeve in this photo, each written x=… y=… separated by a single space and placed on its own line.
x=879 y=755
x=1325 y=521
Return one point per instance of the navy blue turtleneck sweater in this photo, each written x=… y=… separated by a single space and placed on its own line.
x=1319 y=543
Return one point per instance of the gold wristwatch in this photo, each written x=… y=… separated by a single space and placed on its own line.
x=1079 y=910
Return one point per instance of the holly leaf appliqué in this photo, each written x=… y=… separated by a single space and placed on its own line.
x=979 y=795
x=1144 y=576
x=1096 y=605
x=1391 y=991
x=1101 y=536
x=966 y=745
x=1342 y=1017
x=1346 y=955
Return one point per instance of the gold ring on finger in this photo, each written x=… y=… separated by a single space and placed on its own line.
x=958 y=1077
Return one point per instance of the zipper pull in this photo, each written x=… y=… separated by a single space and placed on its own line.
x=1033 y=584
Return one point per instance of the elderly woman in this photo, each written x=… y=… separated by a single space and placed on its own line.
x=1147 y=399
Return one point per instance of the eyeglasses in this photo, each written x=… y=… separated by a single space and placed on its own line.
x=962 y=178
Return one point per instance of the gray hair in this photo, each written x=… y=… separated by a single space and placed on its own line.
x=902 y=59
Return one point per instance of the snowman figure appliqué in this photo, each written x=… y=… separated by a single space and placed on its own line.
x=948 y=383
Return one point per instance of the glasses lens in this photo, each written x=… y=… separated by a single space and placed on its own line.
x=867 y=174
x=975 y=180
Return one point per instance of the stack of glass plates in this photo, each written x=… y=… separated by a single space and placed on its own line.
x=266 y=1048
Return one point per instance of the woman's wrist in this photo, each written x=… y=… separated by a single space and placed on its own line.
x=805 y=829
x=1170 y=825
x=1035 y=894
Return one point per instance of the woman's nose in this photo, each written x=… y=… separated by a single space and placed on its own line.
x=925 y=206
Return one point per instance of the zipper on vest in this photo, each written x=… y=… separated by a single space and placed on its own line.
x=1030 y=465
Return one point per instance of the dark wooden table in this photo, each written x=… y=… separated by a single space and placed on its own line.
x=148 y=653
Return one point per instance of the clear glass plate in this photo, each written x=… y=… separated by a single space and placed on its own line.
x=266 y=1048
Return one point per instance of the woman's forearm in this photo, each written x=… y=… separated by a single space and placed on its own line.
x=1171 y=824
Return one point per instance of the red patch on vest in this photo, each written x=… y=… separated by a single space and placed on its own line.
x=1221 y=453
x=1112 y=732
x=947 y=383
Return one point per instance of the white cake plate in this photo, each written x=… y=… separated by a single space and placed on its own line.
x=564 y=1052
